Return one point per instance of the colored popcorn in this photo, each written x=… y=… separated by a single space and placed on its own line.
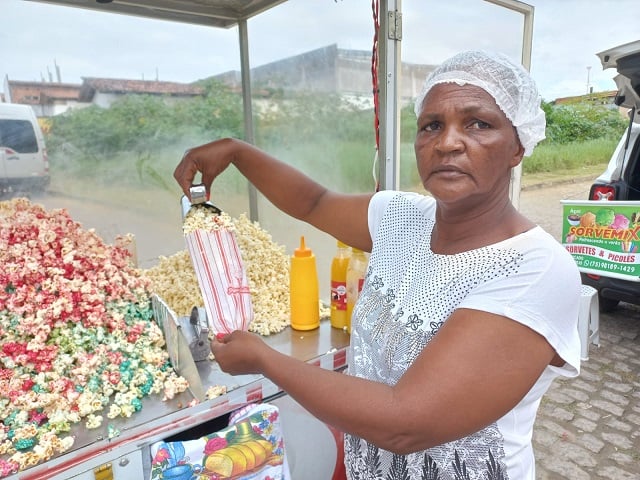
x=77 y=334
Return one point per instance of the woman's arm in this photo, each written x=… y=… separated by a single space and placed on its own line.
x=476 y=369
x=343 y=216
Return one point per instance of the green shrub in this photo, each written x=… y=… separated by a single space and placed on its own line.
x=580 y=122
x=140 y=139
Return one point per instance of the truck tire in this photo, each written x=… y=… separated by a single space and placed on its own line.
x=607 y=304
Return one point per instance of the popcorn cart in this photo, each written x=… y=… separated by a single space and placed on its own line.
x=101 y=379
x=99 y=454
x=198 y=397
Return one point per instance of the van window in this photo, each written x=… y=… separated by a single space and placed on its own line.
x=18 y=135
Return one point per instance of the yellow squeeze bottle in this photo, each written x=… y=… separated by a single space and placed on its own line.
x=304 y=295
x=339 y=266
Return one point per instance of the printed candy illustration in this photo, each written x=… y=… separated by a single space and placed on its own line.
x=251 y=447
x=620 y=222
x=604 y=217
x=587 y=220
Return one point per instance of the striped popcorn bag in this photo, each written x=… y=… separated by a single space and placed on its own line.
x=221 y=275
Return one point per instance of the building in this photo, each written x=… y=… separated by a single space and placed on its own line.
x=53 y=98
x=328 y=69
x=331 y=70
x=46 y=98
x=104 y=91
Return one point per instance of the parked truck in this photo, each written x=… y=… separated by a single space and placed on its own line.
x=617 y=190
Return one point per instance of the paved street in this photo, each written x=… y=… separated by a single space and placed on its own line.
x=589 y=427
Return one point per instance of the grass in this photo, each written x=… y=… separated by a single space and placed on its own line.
x=343 y=166
x=555 y=157
x=551 y=163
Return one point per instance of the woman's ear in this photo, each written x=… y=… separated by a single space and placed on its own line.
x=519 y=153
x=517 y=158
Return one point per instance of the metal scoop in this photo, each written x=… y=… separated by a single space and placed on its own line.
x=198 y=195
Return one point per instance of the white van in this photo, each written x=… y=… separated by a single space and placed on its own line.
x=24 y=166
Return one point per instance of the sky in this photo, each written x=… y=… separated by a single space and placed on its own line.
x=37 y=40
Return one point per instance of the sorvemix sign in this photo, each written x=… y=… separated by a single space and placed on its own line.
x=603 y=237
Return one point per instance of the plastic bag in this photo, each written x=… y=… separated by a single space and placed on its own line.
x=251 y=447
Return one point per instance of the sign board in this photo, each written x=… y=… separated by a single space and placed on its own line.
x=603 y=237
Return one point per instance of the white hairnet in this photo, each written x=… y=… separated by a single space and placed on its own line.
x=507 y=82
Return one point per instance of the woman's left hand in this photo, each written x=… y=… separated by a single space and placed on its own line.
x=239 y=352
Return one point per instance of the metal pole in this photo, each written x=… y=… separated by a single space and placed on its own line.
x=245 y=73
x=527 y=41
x=389 y=41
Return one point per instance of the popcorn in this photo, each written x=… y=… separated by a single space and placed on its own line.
x=215 y=391
x=200 y=218
x=28 y=431
x=267 y=268
x=175 y=385
x=112 y=431
x=93 y=421
x=114 y=411
x=174 y=280
x=77 y=334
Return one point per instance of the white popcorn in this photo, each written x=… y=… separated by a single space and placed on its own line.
x=215 y=391
x=93 y=421
x=203 y=218
x=114 y=411
x=266 y=264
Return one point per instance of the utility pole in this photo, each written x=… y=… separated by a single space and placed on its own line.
x=588 y=76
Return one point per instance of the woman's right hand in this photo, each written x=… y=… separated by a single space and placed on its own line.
x=343 y=216
x=210 y=159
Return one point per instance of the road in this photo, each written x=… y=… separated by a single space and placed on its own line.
x=589 y=427
x=155 y=219
x=542 y=203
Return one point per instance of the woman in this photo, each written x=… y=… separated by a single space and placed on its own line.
x=469 y=310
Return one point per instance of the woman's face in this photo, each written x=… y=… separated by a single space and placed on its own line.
x=465 y=146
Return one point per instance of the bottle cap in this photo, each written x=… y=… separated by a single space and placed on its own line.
x=356 y=250
x=342 y=245
x=302 y=251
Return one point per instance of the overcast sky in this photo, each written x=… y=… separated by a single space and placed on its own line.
x=36 y=37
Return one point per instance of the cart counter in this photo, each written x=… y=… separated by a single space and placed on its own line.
x=120 y=449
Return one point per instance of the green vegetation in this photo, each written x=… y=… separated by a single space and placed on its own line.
x=577 y=135
x=552 y=157
x=140 y=139
x=581 y=122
